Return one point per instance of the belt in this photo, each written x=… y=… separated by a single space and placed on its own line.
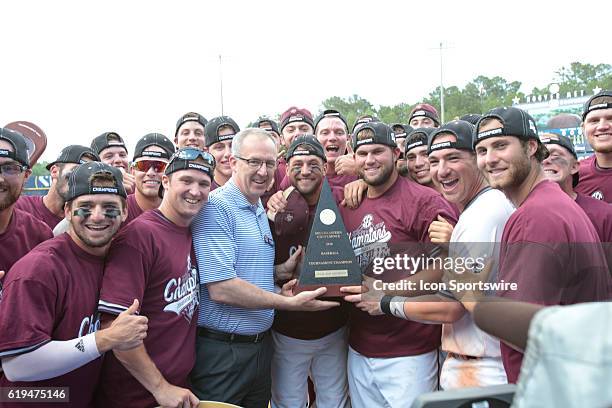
x=462 y=356
x=231 y=337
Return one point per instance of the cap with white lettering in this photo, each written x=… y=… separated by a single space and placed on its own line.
x=601 y=100
x=211 y=131
x=462 y=131
x=515 y=122
x=80 y=180
x=382 y=134
x=154 y=139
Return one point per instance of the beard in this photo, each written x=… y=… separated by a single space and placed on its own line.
x=11 y=195
x=518 y=170
x=380 y=179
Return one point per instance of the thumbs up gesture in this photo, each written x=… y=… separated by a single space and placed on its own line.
x=127 y=331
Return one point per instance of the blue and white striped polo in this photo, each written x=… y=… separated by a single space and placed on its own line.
x=232 y=239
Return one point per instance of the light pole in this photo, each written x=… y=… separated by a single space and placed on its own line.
x=441 y=87
x=221 y=82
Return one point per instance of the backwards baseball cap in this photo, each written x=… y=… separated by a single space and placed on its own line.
x=305 y=145
x=382 y=135
x=462 y=131
x=515 y=122
x=20 y=146
x=294 y=114
x=154 y=139
x=75 y=154
x=190 y=117
x=185 y=159
x=272 y=126
x=417 y=137
x=564 y=141
x=211 y=131
x=473 y=118
x=426 y=110
x=364 y=119
x=80 y=181
x=106 y=140
x=403 y=133
x=330 y=113
x=601 y=100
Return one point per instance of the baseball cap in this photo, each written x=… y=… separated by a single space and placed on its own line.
x=190 y=117
x=294 y=114
x=273 y=126
x=211 y=131
x=364 y=119
x=79 y=182
x=417 y=137
x=20 y=146
x=105 y=140
x=185 y=159
x=304 y=145
x=426 y=110
x=473 y=118
x=406 y=129
x=515 y=122
x=593 y=103
x=461 y=129
x=154 y=139
x=382 y=135
x=564 y=141
x=74 y=154
x=330 y=113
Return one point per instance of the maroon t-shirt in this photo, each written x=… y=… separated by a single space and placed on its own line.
x=35 y=206
x=133 y=208
x=290 y=229
x=594 y=181
x=378 y=228
x=600 y=214
x=22 y=234
x=551 y=250
x=52 y=294
x=151 y=260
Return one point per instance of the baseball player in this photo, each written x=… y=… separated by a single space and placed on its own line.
x=596 y=171
x=111 y=149
x=220 y=132
x=151 y=260
x=190 y=131
x=19 y=231
x=49 y=325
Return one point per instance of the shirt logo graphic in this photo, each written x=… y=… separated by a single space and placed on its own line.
x=182 y=295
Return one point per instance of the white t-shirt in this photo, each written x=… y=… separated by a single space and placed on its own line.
x=568 y=359
x=477 y=234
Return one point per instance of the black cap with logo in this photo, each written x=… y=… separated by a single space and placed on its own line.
x=154 y=139
x=75 y=154
x=80 y=180
x=20 y=146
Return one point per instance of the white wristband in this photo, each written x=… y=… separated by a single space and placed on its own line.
x=397 y=307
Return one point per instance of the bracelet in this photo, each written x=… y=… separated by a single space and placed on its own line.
x=385 y=304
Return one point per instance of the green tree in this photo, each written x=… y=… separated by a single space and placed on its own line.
x=352 y=107
x=40 y=169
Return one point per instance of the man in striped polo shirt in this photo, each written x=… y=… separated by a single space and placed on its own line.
x=235 y=253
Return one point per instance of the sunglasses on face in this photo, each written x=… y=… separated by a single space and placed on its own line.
x=145 y=165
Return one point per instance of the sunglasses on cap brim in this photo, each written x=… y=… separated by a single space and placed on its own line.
x=190 y=153
x=145 y=165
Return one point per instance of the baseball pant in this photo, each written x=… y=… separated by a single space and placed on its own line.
x=323 y=359
x=476 y=372
x=390 y=382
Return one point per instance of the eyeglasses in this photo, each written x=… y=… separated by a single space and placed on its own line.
x=256 y=164
x=145 y=165
x=11 y=169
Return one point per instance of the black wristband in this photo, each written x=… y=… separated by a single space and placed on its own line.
x=385 y=304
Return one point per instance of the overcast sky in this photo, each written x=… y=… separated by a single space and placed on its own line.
x=79 y=68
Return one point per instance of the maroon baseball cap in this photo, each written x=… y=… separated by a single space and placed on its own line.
x=426 y=110
x=294 y=114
